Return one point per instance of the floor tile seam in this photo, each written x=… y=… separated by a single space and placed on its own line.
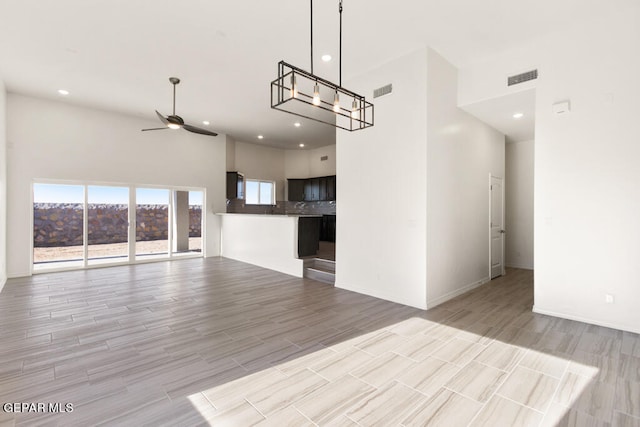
x=497 y=387
x=299 y=411
x=554 y=395
x=399 y=381
x=493 y=367
x=549 y=375
x=635 y=417
x=254 y=407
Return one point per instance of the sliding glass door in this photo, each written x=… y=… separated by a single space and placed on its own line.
x=152 y=223
x=84 y=225
x=187 y=222
x=58 y=226
x=107 y=224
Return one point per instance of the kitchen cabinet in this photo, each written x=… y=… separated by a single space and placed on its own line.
x=328 y=228
x=312 y=189
x=296 y=189
x=235 y=185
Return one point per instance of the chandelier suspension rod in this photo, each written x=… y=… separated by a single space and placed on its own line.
x=340 y=58
x=311 y=1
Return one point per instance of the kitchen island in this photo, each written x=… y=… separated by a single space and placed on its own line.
x=276 y=242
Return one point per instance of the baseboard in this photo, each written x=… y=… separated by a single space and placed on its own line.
x=19 y=275
x=450 y=295
x=618 y=326
x=381 y=295
x=521 y=266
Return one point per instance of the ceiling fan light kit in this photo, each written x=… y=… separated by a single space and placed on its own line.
x=304 y=94
x=176 y=122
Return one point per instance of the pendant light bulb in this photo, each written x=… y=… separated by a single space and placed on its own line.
x=294 y=86
x=316 y=95
x=336 y=103
x=354 y=109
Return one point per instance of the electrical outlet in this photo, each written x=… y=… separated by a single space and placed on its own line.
x=608 y=298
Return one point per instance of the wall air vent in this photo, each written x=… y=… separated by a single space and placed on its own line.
x=384 y=90
x=523 y=77
x=324 y=158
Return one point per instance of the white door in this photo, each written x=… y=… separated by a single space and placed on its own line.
x=497 y=227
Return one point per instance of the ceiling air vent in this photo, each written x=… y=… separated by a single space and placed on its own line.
x=384 y=90
x=521 y=78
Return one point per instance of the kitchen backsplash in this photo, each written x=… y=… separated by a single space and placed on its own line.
x=283 y=208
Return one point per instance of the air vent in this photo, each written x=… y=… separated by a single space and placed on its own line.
x=521 y=78
x=384 y=90
x=324 y=158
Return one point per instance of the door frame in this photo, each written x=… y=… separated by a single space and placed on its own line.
x=491 y=176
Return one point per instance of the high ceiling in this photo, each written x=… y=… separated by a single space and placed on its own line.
x=117 y=55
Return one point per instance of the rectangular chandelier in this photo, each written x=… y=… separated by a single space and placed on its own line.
x=304 y=94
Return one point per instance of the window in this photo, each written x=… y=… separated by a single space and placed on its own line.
x=260 y=192
x=83 y=225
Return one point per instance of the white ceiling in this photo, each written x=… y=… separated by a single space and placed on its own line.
x=117 y=55
x=498 y=113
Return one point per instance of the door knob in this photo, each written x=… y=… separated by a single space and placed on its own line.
x=502 y=231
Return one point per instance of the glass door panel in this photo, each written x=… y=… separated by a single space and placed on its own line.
x=187 y=222
x=108 y=224
x=196 y=210
x=58 y=226
x=152 y=223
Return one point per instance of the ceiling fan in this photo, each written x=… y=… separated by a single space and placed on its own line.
x=176 y=122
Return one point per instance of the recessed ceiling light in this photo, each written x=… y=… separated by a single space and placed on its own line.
x=297 y=124
x=260 y=136
x=518 y=115
x=326 y=58
x=63 y=92
x=206 y=123
x=301 y=145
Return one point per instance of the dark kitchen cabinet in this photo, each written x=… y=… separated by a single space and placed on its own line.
x=235 y=185
x=312 y=189
x=331 y=187
x=296 y=189
x=328 y=228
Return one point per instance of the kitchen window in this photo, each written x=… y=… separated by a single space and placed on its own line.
x=259 y=192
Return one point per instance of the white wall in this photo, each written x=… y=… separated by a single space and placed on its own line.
x=462 y=152
x=519 y=204
x=260 y=162
x=269 y=241
x=308 y=163
x=55 y=140
x=231 y=154
x=3 y=186
x=587 y=197
x=381 y=187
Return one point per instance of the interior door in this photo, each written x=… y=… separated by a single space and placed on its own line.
x=497 y=227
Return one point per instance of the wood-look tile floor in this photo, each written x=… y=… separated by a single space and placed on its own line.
x=219 y=342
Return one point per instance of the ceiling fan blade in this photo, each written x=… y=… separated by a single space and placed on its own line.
x=198 y=130
x=163 y=119
x=154 y=129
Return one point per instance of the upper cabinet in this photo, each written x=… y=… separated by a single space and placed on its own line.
x=296 y=189
x=235 y=185
x=312 y=189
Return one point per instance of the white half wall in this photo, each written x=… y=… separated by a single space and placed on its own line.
x=260 y=162
x=381 y=188
x=3 y=185
x=519 y=204
x=55 y=140
x=269 y=241
x=462 y=152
